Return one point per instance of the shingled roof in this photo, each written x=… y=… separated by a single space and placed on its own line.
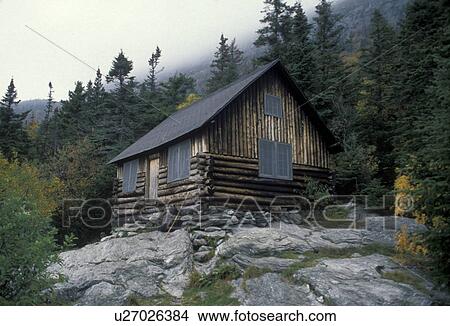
x=199 y=113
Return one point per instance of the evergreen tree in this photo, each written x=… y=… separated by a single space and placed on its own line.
x=176 y=89
x=236 y=60
x=44 y=142
x=72 y=118
x=225 y=65
x=275 y=33
x=423 y=137
x=376 y=105
x=153 y=62
x=419 y=38
x=95 y=104
x=327 y=41
x=13 y=138
x=121 y=104
x=299 y=57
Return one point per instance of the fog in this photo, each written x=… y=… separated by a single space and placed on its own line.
x=187 y=31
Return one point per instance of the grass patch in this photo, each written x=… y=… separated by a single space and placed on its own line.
x=406 y=278
x=254 y=272
x=289 y=254
x=213 y=289
x=337 y=213
x=216 y=294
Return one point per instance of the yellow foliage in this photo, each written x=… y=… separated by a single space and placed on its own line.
x=190 y=99
x=402 y=188
x=23 y=180
x=32 y=130
x=420 y=217
x=409 y=244
x=439 y=223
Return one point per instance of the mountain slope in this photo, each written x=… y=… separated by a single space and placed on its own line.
x=36 y=108
x=356 y=16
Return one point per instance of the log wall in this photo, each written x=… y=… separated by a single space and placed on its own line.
x=235 y=178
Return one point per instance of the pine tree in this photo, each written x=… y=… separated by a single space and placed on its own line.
x=327 y=41
x=176 y=89
x=44 y=142
x=73 y=117
x=120 y=71
x=121 y=104
x=225 y=65
x=236 y=59
x=13 y=138
x=219 y=66
x=376 y=105
x=423 y=140
x=299 y=57
x=419 y=37
x=275 y=33
x=153 y=62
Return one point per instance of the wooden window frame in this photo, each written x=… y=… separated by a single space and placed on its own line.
x=275 y=174
x=266 y=106
x=178 y=174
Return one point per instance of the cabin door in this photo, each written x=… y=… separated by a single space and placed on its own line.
x=152 y=179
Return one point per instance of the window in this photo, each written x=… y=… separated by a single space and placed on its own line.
x=129 y=176
x=275 y=160
x=179 y=161
x=273 y=106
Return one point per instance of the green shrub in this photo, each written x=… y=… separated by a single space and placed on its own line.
x=27 y=244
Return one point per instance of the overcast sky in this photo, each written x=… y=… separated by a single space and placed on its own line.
x=95 y=31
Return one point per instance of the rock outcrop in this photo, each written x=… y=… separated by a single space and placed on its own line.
x=360 y=281
x=291 y=264
x=110 y=272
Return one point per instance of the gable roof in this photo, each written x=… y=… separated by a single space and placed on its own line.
x=199 y=113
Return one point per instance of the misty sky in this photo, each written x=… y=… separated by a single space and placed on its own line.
x=95 y=30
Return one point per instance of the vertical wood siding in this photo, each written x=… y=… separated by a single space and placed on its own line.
x=237 y=129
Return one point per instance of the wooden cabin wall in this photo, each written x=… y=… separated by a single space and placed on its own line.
x=237 y=129
x=184 y=191
x=237 y=177
x=124 y=204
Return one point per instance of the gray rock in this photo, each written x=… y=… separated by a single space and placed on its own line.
x=185 y=218
x=110 y=271
x=209 y=235
x=190 y=210
x=262 y=242
x=274 y=264
x=214 y=222
x=271 y=290
x=212 y=229
x=234 y=220
x=392 y=223
x=199 y=242
x=357 y=281
x=202 y=256
x=204 y=248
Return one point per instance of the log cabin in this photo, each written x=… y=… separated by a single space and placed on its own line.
x=258 y=137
